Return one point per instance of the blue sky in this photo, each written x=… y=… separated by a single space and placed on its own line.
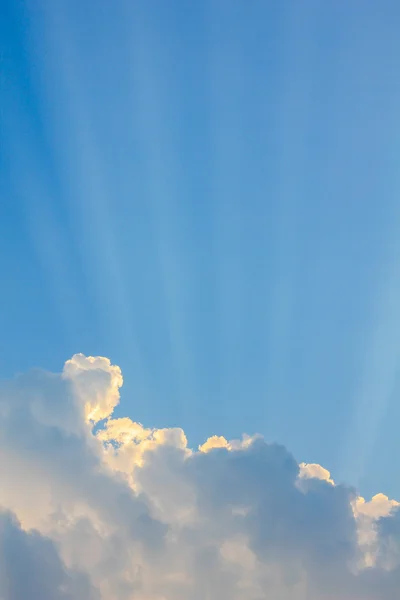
x=207 y=193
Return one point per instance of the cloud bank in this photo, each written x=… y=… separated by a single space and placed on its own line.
x=93 y=507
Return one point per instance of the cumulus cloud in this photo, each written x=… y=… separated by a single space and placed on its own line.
x=99 y=507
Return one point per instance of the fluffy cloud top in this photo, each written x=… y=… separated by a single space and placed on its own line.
x=120 y=511
x=96 y=383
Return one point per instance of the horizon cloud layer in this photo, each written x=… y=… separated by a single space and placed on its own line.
x=96 y=507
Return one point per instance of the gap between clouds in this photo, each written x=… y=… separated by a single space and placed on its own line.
x=97 y=507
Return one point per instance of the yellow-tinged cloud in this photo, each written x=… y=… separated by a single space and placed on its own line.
x=315 y=471
x=215 y=441
x=123 y=431
x=379 y=506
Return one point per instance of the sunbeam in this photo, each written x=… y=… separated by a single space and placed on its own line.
x=154 y=112
x=82 y=168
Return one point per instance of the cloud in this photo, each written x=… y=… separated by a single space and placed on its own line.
x=314 y=471
x=115 y=510
x=96 y=383
x=30 y=567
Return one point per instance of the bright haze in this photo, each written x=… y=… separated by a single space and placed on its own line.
x=200 y=300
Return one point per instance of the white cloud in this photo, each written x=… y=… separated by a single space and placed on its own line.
x=127 y=512
x=96 y=382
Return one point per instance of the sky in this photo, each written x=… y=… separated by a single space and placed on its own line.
x=207 y=194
